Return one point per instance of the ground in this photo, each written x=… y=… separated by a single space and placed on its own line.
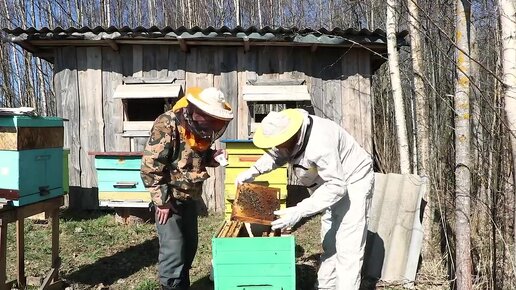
x=97 y=252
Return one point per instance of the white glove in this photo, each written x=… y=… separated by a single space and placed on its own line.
x=246 y=176
x=288 y=217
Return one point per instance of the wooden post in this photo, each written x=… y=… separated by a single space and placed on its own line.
x=20 y=245
x=3 y=254
x=54 y=216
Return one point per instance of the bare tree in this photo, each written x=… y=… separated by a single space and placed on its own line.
x=422 y=125
x=394 y=71
x=259 y=12
x=508 y=26
x=462 y=148
x=236 y=3
x=39 y=71
x=151 y=8
x=108 y=12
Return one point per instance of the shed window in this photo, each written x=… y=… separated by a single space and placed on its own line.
x=263 y=99
x=143 y=103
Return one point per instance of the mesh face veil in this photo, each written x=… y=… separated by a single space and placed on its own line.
x=206 y=128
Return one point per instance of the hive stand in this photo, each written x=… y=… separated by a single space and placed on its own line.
x=9 y=214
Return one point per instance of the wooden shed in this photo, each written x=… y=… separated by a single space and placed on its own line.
x=110 y=83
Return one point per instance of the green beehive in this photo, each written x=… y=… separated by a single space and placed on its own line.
x=254 y=263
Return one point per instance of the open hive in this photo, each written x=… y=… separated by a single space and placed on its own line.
x=255 y=204
x=246 y=253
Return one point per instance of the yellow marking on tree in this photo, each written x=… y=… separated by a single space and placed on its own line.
x=464 y=106
x=463 y=81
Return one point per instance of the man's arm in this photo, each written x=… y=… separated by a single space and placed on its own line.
x=332 y=190
x=159 y=148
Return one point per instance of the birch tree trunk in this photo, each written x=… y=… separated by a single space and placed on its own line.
x=78 y=11
x=237 y=11
x=462 y=148
x=102 y=13
x=189 y=7
x=28 y=89
x=49 y=15
x=108 y=12
x=259 y=13
x=422 y=117
x=508 y=25
x=151 y=9
x=39 y=70
x=394 y=71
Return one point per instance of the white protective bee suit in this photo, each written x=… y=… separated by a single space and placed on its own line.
x=339 y=176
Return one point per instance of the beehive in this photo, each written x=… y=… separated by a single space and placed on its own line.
x=119 y=181
x=241 y=156
x=31 y=150
x=252 y=262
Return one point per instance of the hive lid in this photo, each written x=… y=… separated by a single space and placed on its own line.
x=255 y=203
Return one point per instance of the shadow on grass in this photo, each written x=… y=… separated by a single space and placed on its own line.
x=306 y=269
x=203 y=283
x=121 y=265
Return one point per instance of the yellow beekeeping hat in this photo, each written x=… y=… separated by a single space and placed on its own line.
x=277 y=127
x=211 y=101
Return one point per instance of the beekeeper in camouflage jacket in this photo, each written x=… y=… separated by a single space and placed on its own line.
x=173 y=170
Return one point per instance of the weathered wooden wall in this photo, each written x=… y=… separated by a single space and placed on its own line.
x=86 y=78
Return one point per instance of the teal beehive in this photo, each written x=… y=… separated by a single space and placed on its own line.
x=31 y=159
x=119 y=180
x=254 y=263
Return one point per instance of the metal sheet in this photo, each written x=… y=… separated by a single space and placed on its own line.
x=280 y=34
x=395 y=233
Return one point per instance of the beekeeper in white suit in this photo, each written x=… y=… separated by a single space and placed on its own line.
x=339 y=176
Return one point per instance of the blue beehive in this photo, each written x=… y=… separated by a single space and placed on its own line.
x=31 y=159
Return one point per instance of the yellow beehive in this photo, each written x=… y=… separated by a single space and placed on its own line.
x=241 y=155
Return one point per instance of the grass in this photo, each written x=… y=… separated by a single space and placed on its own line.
x=99 y=253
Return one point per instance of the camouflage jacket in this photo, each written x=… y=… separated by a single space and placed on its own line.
x=170 y=169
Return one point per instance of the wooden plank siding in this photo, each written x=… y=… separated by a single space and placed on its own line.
x=200 y=65
x=86 y=78
x=366 y=111
x=67 y=94
x=225 y=78
x=113 y=108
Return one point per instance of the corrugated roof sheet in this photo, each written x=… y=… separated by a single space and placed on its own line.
x=306 y=35
x=395 y=232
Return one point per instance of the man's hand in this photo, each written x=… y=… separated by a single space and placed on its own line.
x=288 y=217
x=163 y=212
x=221 y=157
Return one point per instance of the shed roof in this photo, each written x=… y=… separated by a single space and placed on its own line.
x=41 y=41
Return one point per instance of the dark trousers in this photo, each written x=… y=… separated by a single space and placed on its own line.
x=178 y=239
